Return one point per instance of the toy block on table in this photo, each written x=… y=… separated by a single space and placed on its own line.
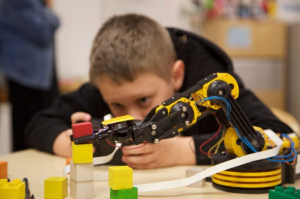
x=82 y=172
x=192 y=171
x=82 y=189
x=68 y=160
x=82 y=153
x=124 y=193
x=284 y=193
x=120 y=177
x=12 y=190
x=56 y=187
x=82 y=129
x=3 y=169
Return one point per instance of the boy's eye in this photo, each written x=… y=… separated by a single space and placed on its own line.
x=144 y=100
x=117 y=105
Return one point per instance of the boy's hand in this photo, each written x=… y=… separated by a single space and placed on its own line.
x=169 y=152
x=80 y=116
x=62 y=145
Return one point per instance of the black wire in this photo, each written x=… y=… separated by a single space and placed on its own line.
x=27 y=191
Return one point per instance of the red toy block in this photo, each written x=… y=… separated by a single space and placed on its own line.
x=3 y=169
x=82 y=129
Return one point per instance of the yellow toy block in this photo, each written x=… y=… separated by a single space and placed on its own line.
x=82 y=153
x=55 y=188
x=12 y=190
x=120 y=177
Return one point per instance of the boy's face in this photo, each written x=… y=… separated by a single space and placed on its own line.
x=135 y=98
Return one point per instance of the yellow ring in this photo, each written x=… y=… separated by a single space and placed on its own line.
x=248 y=179
x=252 y=174
x=246 y=185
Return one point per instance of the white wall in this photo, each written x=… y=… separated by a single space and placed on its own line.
x=80 y=21
x=294 y=71
x=5 y=128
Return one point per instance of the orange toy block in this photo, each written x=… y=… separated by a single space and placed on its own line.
x=3 y=169
x=68 y=160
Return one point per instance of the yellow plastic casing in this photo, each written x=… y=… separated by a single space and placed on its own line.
x=247 y=185
x=248 y=179
x=56 y=187
x=196 y=111
x=120 y=177
x=230 y=141
x=118 y=119
x=12 y=190
x=287 y=144
x=202 y=93
x=82 y=153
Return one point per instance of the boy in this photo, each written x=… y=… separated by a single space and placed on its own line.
x=136 y=65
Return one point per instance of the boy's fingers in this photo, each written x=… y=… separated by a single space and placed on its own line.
x=80 y=116
x=148 y=148
x=139 y=159
x=152 y=165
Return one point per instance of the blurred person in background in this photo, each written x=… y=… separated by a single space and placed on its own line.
x=27 y=60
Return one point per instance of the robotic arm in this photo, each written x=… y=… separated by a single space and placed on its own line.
x=214 y=94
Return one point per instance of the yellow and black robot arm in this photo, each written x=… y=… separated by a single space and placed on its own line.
x=217 y=94
x=214 y=94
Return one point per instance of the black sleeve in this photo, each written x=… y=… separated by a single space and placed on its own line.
x=46 y=125
x=257 y=112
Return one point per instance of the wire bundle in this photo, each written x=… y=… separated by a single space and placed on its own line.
x=285 y=158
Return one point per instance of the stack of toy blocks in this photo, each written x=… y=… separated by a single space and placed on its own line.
x=12 y=190
x=56 y=188
x=3 y=169
x=120 y=183
x=81 y=166
x=284 y=193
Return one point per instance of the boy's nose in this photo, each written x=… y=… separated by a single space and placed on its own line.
x=136 y=114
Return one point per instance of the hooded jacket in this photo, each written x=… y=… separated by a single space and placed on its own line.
x=201 y=59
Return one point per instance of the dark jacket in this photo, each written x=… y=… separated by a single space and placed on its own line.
x=201 y=59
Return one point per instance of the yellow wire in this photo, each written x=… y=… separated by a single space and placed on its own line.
x=220 y=141
x=216 y=145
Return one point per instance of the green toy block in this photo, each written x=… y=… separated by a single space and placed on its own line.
x=124 y=193
x=282 y=193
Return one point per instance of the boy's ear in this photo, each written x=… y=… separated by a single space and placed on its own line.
x=178 y=74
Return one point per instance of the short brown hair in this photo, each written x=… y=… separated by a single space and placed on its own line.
x=130 y=44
